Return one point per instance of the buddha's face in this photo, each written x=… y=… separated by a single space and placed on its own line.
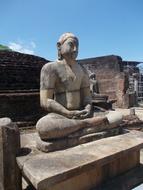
x=69 y=49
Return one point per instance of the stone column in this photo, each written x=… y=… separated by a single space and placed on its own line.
x=10 y=177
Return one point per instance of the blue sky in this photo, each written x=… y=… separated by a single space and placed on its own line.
x=103 y=27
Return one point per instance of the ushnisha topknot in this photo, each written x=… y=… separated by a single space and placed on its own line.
x=65 y=36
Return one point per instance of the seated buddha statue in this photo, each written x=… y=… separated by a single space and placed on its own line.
x=65 y=95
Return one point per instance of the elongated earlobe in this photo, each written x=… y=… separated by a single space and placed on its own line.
x=59 y=51
x=58 y=45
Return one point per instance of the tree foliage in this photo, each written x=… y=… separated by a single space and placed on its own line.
x=2 y=47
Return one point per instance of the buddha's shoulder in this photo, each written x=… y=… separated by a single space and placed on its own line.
x=50 y=67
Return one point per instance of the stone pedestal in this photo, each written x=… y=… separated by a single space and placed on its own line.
x=10 y=178
x=82 y=167
x=74 y=139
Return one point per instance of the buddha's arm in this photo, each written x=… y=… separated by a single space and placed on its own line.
x=47 y=102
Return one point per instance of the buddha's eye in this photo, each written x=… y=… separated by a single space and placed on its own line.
x=71 y=44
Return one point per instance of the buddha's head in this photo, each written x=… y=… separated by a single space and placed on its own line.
x=67 y=46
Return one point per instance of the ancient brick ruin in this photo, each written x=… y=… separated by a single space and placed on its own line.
x=112 y=79
x=19 y=86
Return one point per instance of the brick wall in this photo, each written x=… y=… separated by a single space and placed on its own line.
x=19 y=86
x=112 y=81
x=19 y=71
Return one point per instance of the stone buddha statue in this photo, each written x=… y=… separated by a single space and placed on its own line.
x=65 y=94
x=94 y=89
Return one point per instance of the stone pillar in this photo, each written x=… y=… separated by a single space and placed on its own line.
x=10 y=177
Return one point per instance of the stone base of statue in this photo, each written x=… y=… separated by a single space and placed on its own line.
x=81 y=167
x=74 y=139
x=77 y=138
x=99 y=128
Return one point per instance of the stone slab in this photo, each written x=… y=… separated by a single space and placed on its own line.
x=44 y=170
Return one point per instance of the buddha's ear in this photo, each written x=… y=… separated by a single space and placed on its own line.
x=58 y=46
x=59 y=50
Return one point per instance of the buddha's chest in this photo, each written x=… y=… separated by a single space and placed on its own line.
x=70 y=81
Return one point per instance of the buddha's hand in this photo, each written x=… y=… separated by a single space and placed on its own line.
x=86 y=112
x=76 y=114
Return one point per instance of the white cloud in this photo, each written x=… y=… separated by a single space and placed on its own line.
x=23 y=47
x=33 y=44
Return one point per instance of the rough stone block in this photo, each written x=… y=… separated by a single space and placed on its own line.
x=10 y=178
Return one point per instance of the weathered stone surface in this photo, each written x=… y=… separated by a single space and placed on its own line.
x=79 y=137
x=132 y=122
x=46 y=170
x=10 y=178
x=73 y=141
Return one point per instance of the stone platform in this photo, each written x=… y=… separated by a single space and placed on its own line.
x=82 y=167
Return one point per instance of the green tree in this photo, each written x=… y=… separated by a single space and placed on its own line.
x=2 y=47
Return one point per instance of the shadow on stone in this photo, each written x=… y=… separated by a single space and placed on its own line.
x=24 y=151
x=128 y=180
x=29 y=187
